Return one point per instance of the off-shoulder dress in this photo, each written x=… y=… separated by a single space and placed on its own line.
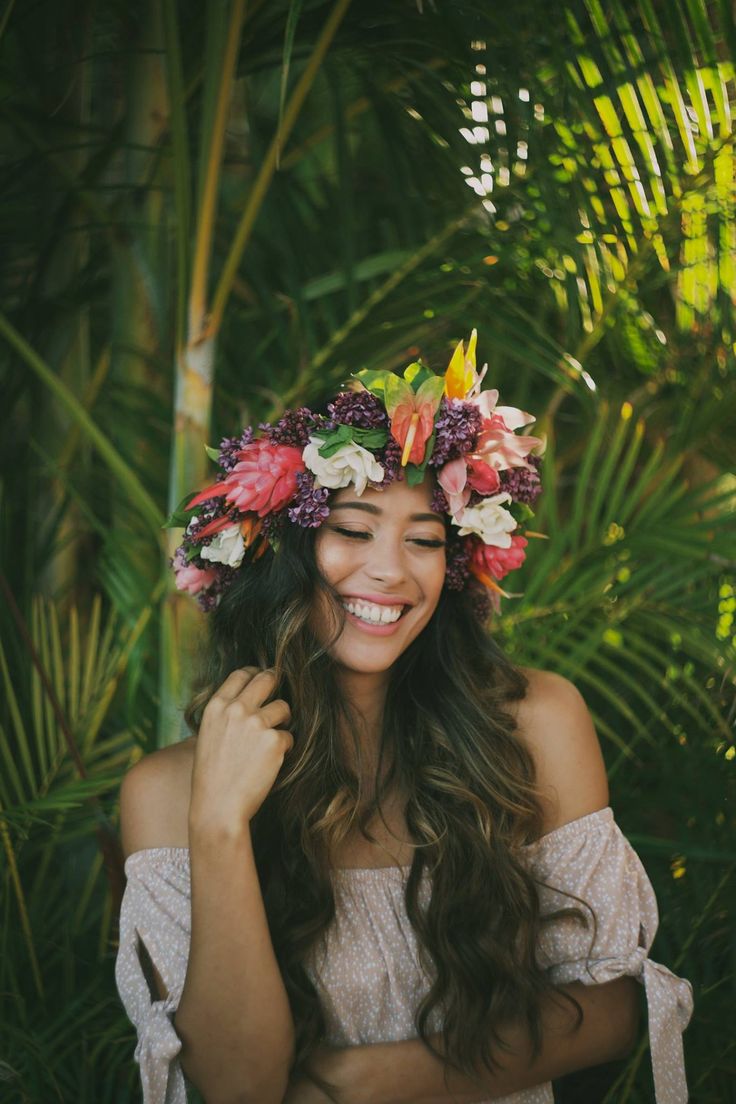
x=368 y=972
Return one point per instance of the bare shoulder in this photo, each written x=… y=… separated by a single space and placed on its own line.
x=154 y=799
x=555 y=724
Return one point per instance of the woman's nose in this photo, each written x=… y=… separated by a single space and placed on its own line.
x=387 y=560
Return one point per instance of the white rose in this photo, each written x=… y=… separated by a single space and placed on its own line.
x=227 y=547
x=489 y=521
x=350 y=464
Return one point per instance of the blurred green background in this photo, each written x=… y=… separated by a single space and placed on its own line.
x=211 y=211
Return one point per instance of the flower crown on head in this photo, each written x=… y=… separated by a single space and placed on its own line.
x=385 y=427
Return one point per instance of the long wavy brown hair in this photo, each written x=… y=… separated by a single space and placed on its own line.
x=449 y=743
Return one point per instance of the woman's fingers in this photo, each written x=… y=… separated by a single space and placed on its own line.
x=276 y=714
x=235 y=682
x=243 y=739
x=258 y=688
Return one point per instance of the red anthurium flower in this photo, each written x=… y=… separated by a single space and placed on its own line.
x=412 y=414
x=263 y=480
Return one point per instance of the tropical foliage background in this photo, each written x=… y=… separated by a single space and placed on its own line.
x=210 y=211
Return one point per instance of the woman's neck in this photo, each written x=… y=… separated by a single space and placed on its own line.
x=365 y=695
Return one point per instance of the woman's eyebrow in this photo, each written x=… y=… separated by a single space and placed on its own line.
x=371 y=509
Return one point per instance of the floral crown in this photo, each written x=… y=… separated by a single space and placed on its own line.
x=385 y=427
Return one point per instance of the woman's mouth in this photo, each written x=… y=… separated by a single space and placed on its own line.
x=372 y=613
x=372 y=618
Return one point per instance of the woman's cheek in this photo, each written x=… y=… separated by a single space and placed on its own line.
x=334 y=559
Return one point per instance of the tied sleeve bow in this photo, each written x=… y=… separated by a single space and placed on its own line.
x=593 y=861
x=158 y=1045
x=670 y=1005
x=155 y=922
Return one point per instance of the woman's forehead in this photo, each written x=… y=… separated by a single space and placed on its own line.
x=397 y=497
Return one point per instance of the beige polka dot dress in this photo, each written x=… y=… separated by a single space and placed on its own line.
x=368 y=972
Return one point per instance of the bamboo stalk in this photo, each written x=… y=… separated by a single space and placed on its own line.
x=194 y=356
x=195 y=360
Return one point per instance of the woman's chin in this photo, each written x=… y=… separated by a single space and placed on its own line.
x=366 y=654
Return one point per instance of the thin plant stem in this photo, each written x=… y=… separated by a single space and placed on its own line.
x=208 y=205
x=265 y=174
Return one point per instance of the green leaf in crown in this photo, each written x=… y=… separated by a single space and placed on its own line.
x=348 y=434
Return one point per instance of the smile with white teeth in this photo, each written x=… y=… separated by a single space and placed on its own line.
x=375 y=615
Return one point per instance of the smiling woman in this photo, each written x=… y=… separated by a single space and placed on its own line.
x=384 y=867
x=385 y=557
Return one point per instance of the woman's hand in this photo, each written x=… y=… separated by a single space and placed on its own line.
x=331 y=1065
x=240 y=750
x=304 y=1091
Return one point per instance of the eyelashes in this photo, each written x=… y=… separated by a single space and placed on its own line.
x=357 y=534
x=354 y=533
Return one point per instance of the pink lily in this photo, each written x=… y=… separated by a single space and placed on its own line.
x=498 y=445
x=502 y=449
x=458 y=477
x=453 y=479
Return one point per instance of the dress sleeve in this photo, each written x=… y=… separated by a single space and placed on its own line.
x=155 y=921
x=592 y=859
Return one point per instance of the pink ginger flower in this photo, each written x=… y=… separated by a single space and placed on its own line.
x=192 y=579
x=488 y=559
x=263 y=479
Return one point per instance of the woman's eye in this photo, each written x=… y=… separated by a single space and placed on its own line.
x=426 y=542
x=359 y=534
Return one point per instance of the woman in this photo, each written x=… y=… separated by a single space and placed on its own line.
x=385 y=868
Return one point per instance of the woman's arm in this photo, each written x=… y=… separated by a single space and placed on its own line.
x=233 y=1017
x=407 y=1073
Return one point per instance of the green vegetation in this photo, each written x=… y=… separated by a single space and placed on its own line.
x=211 y=211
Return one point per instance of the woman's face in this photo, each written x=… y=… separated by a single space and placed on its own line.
x=384 y=552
